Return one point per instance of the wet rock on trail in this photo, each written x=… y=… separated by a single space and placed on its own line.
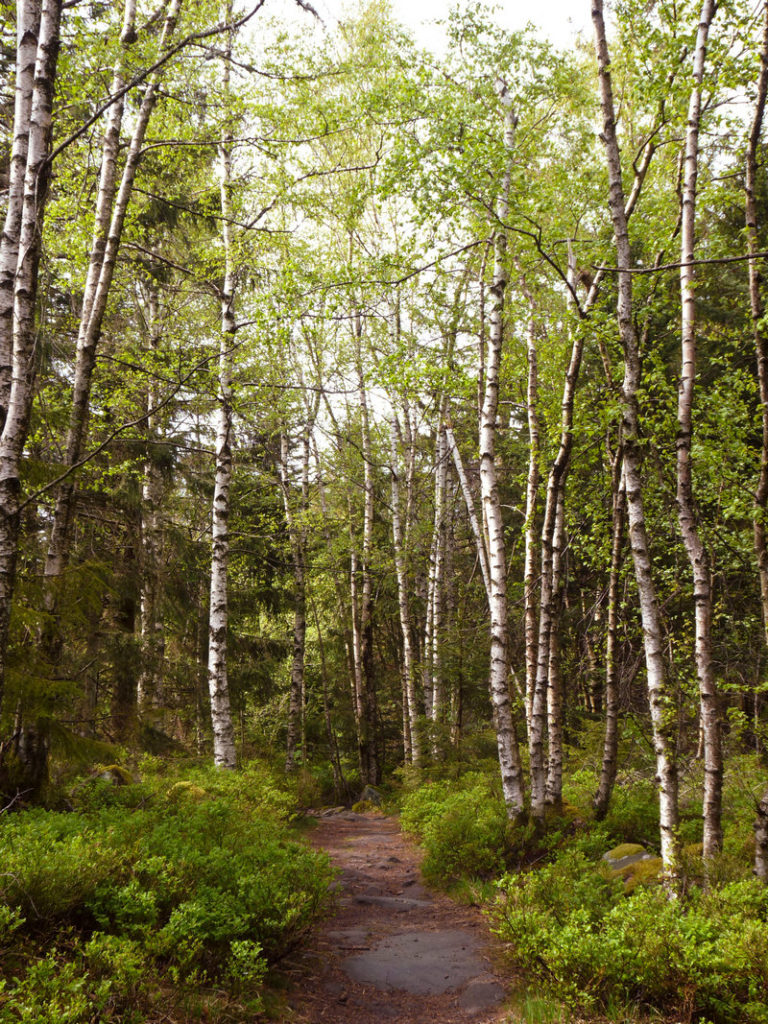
x=393 y=951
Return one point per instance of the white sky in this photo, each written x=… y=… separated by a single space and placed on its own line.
x=559 y=20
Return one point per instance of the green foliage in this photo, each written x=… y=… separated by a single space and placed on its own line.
x=573 y=925
x=202 y=887
x=462 y=825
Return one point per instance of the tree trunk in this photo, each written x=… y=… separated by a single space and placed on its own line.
x=760 y=335
x=660 y=698
x=218 y=684
x=550 y=581
x=413 y=752
x=28 y=244
x=437 y=572
x=149 y=694
x=297 y=532
x=111 y=209
x=698 y=555
x=531 y=501
x=509 y=754
x=27 y=31
x=611 y=742
x=553 y=791
x=369 y=715
x=761 y=840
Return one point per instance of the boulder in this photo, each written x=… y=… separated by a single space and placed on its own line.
x=371 y=795
x=632 y=863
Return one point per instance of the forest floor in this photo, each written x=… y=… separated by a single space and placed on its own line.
x=393 y=950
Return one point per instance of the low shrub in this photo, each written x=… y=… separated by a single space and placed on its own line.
x=707 y=957
x=463 y=827
x=201 y=882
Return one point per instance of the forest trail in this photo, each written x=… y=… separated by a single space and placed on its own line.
x=393 y=951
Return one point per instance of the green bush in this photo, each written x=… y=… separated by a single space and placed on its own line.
x=211 y=888
x=706 y=957
x=462 y=826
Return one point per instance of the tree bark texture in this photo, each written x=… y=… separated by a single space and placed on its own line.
x=542 y=705
x=509 y=754
x=218 y=624
x=611 y=741
x=37 y=125
x=760 y=337
x=111 y=208
x=369 y=713
x=27 y=30
x=297 y=532
x=661 y=700
x=413 y=750
x=149 y=692
x=698 y=556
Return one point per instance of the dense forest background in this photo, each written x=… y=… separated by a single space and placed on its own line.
x=379 y=413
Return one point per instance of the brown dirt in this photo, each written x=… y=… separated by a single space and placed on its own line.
x=393 y=951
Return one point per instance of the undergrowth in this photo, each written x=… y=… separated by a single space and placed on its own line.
x=177 y=891
x=599 y=944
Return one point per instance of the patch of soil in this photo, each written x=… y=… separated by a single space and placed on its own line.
x=393 y=951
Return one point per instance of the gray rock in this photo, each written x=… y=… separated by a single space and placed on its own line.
x=619 y=863
x=481 y=994
x=371 y=794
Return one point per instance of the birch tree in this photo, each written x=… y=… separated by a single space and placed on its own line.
x=32 y=133
x=653 y=635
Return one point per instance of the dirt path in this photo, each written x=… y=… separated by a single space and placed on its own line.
x=393 y=951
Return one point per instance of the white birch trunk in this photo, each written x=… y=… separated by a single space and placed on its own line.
x=369 y=711
x=757 y=307
x=297 y=532
x=438 y=683
x=660 y=699
x=469 y=502
x=218 y=684
x=27 y=30
x=553 y=791
x=531 y=547
x=413 y=752
x=509 y=754
x=14 y=433
x=611 y=740
x=149 y=689
x=550 y=582
x=698 y=555
x=111 y=208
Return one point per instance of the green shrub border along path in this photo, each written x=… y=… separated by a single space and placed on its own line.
x=177 y=891
x=598 y=946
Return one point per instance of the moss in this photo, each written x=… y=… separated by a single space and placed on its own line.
x=643 y=872
x=364 y=807
x=624 y=850
x=185 y=791
x=117 y=774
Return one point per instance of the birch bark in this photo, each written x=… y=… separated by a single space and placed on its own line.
x=28 y=246
x=509 y=754
x=531 y=501
x=218 y=683
x=661 y=700
x=149 y=689
x=760 y=336
x=413 y=750
x=111 y=208
x=27 y=30
x=297 y=532
x=542 y=705
x=469 y=503
x=369 y=714
x=698 y=555
x=611 y=741
x=553 y=790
